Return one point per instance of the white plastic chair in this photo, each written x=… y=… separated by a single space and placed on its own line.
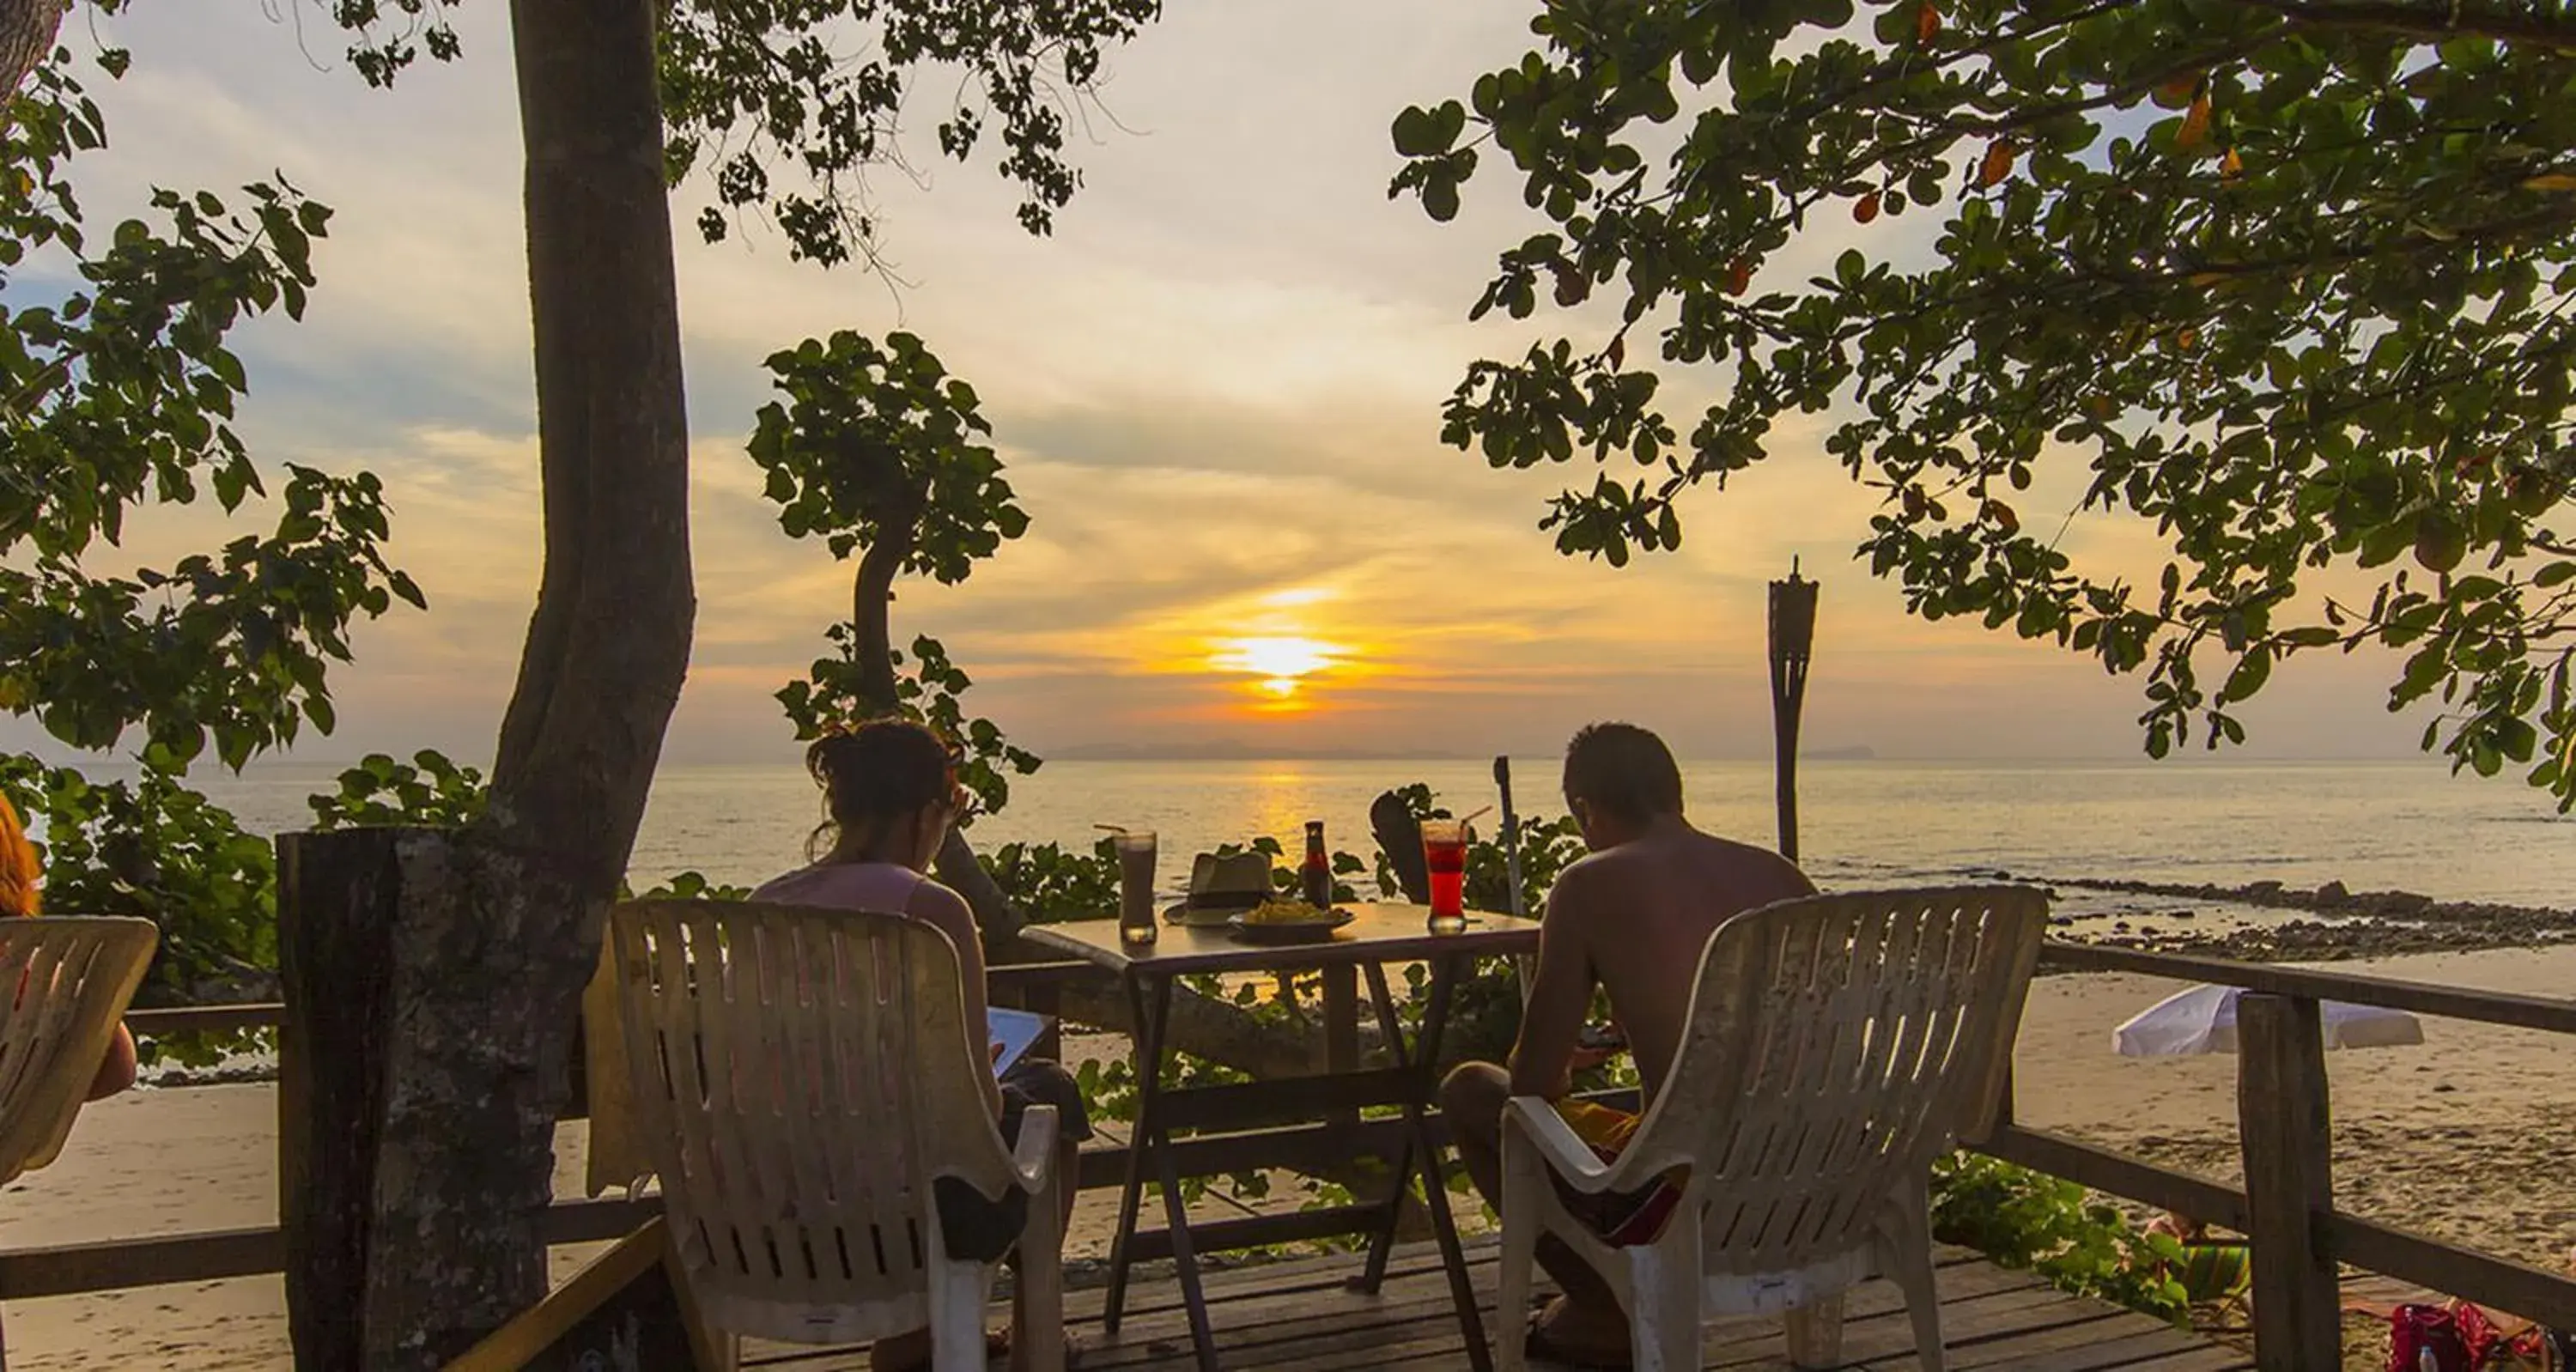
x=74 y=975
x=1837 y=1046
x=800 y=1076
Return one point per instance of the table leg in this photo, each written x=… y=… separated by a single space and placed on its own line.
x=1342 y=1029
x=1185 y=1259
x=1153 y=1046
x=1140 y=1141
x=1435 y=1194
x=1382 y=1243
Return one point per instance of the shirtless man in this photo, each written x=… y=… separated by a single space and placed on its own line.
x=1632 y=919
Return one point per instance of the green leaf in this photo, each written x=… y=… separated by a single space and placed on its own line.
x=1440 y=199
x=1417 y=133
x=2250 y=674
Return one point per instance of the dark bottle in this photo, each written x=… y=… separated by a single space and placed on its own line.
x=1317 y=873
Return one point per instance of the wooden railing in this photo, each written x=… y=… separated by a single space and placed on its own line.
x=2284 y=1115
x=2284 y=1122
x=213 y=1254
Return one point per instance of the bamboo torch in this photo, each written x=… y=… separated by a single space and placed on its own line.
x=1793 y=638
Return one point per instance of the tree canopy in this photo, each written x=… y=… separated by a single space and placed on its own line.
x=880 y=447
x=783 y=108
x=117 y=391
x=2286 y=278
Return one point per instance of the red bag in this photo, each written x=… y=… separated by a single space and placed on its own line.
x=2426 y=1338
x=2458 y=1337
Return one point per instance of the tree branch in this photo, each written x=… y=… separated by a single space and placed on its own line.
x=2458 y=19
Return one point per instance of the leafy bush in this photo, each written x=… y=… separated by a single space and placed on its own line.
x=928 y=688
x=693 y=886
x=154 y=849
x=1051 y=884
x=2021 y=1218
x=429 y=790
x=1548 y=846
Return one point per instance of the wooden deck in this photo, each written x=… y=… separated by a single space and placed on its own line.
x=1299 y=1315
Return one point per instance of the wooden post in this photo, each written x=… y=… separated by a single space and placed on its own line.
x=1044 y=1000
x=337 y=897
x=1342 y=1028
x=1793 y=639
x=2286 y=1125
x=416 y=1116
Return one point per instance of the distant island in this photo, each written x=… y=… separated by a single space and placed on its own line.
x=1234 y=750
x=1229 y=750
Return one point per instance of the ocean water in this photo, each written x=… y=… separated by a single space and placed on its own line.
x=2377 y=825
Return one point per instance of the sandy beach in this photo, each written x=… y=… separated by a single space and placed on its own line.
x=2453 y=1138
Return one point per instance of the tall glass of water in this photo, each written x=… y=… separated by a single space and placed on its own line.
x=1136 y=925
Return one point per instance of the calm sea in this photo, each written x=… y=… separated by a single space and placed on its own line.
x=2374 y=825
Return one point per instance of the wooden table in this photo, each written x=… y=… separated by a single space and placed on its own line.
x=1380 y=934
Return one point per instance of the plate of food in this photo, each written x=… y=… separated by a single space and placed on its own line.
x=1282 y=920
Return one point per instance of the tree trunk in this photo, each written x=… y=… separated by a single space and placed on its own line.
x=960 y=870
x=609 y=644
x=27 y=29
x=872 y=600
x=498 y=927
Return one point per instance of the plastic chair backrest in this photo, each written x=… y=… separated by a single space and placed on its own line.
x=1836 y=1046
x=800 y=1075
x=74 y=975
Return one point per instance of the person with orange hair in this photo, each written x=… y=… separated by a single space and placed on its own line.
x=20 y=897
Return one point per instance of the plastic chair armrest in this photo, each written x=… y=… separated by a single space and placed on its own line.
x=1034 y=1155
x=1566 y=1154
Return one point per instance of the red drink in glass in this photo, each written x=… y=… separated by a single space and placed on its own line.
x=1444 y=851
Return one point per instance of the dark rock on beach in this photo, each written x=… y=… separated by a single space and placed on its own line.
x=2369 y=924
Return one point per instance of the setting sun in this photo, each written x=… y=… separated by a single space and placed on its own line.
x=1276 y=658
x=1280 y=663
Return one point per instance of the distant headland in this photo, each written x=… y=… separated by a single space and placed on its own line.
x=1229 y=750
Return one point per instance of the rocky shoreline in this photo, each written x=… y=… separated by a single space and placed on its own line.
x=2345 y=924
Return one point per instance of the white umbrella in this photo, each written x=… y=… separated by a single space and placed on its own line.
x=2203 y=1020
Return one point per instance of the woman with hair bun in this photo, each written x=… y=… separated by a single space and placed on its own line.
x=20 y=897
x=890 y=795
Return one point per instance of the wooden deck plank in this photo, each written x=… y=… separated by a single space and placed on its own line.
x=1301 y=1315
x=2121 y=1351
x=1411 y=1315
x=1874 y=1319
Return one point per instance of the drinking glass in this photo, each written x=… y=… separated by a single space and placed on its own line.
x=1444 y=851
x=1136 y=923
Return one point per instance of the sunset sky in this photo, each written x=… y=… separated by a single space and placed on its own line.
x=1217 y=390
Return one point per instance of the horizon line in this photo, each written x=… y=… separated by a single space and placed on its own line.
x=1827 y=756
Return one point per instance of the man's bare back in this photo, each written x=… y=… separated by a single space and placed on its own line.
x=1633 y=919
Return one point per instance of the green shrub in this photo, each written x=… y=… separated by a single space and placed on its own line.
x=2021 y=1218
x=429 y=791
